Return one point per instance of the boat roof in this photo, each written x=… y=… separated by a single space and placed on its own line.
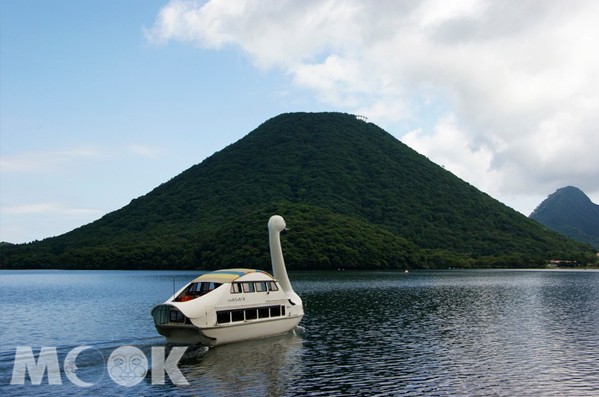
x=226 y=275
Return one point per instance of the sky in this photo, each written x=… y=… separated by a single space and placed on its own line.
x=103 y=100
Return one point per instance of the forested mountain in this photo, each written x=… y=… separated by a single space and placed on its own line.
x=353 y=197
x=570 y=212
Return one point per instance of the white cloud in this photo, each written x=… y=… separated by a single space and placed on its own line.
x=42 y=192
x=505 y=94
x=273 y=34
x=144 y=150
x=50 y=208
x=27 y=222
x=44 y=162
x=57 y=160
x=448 y=144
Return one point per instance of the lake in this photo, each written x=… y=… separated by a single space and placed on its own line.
x=433 y=333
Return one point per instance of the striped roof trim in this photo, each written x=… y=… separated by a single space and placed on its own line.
x=226 y=275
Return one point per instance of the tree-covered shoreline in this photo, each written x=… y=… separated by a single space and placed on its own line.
x=353 y=197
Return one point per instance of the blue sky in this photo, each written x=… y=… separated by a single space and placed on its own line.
x=101 y=101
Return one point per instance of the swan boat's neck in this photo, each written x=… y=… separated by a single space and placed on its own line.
x=276 y=225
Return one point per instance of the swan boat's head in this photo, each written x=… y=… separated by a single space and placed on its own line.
x=276 y=223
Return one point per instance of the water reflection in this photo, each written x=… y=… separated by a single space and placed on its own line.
x=267 y=367
x=466 y=333
x=444 y=333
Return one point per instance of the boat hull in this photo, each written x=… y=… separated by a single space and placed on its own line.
x=227 y=333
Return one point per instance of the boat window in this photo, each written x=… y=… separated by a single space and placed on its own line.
x=251 y=314
x=227 y=316
x=275 y=311
x=263 y=312
x=272 y=286
x=223 y=317
x=248 y=287
x=205 y=287
x=160 y=314
x=176 y=316
x=196 y=289
x=237 y=315
x=188 y=293
x=261 y=286
x=235 y=288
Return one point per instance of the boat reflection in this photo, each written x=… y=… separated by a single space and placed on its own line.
x=267 y=367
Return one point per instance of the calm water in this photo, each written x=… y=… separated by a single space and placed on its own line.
x=440 y=333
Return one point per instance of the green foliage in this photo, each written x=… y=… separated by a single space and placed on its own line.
x=316 y=239
x=352 y=195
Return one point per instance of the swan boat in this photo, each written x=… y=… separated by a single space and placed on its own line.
x=232 y=305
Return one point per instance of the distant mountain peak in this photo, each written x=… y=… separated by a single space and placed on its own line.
x=571 y=212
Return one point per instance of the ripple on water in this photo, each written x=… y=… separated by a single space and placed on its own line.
x=498 y=333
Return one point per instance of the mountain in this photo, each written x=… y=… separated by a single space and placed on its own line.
x=570 y=212
x=353 y=197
